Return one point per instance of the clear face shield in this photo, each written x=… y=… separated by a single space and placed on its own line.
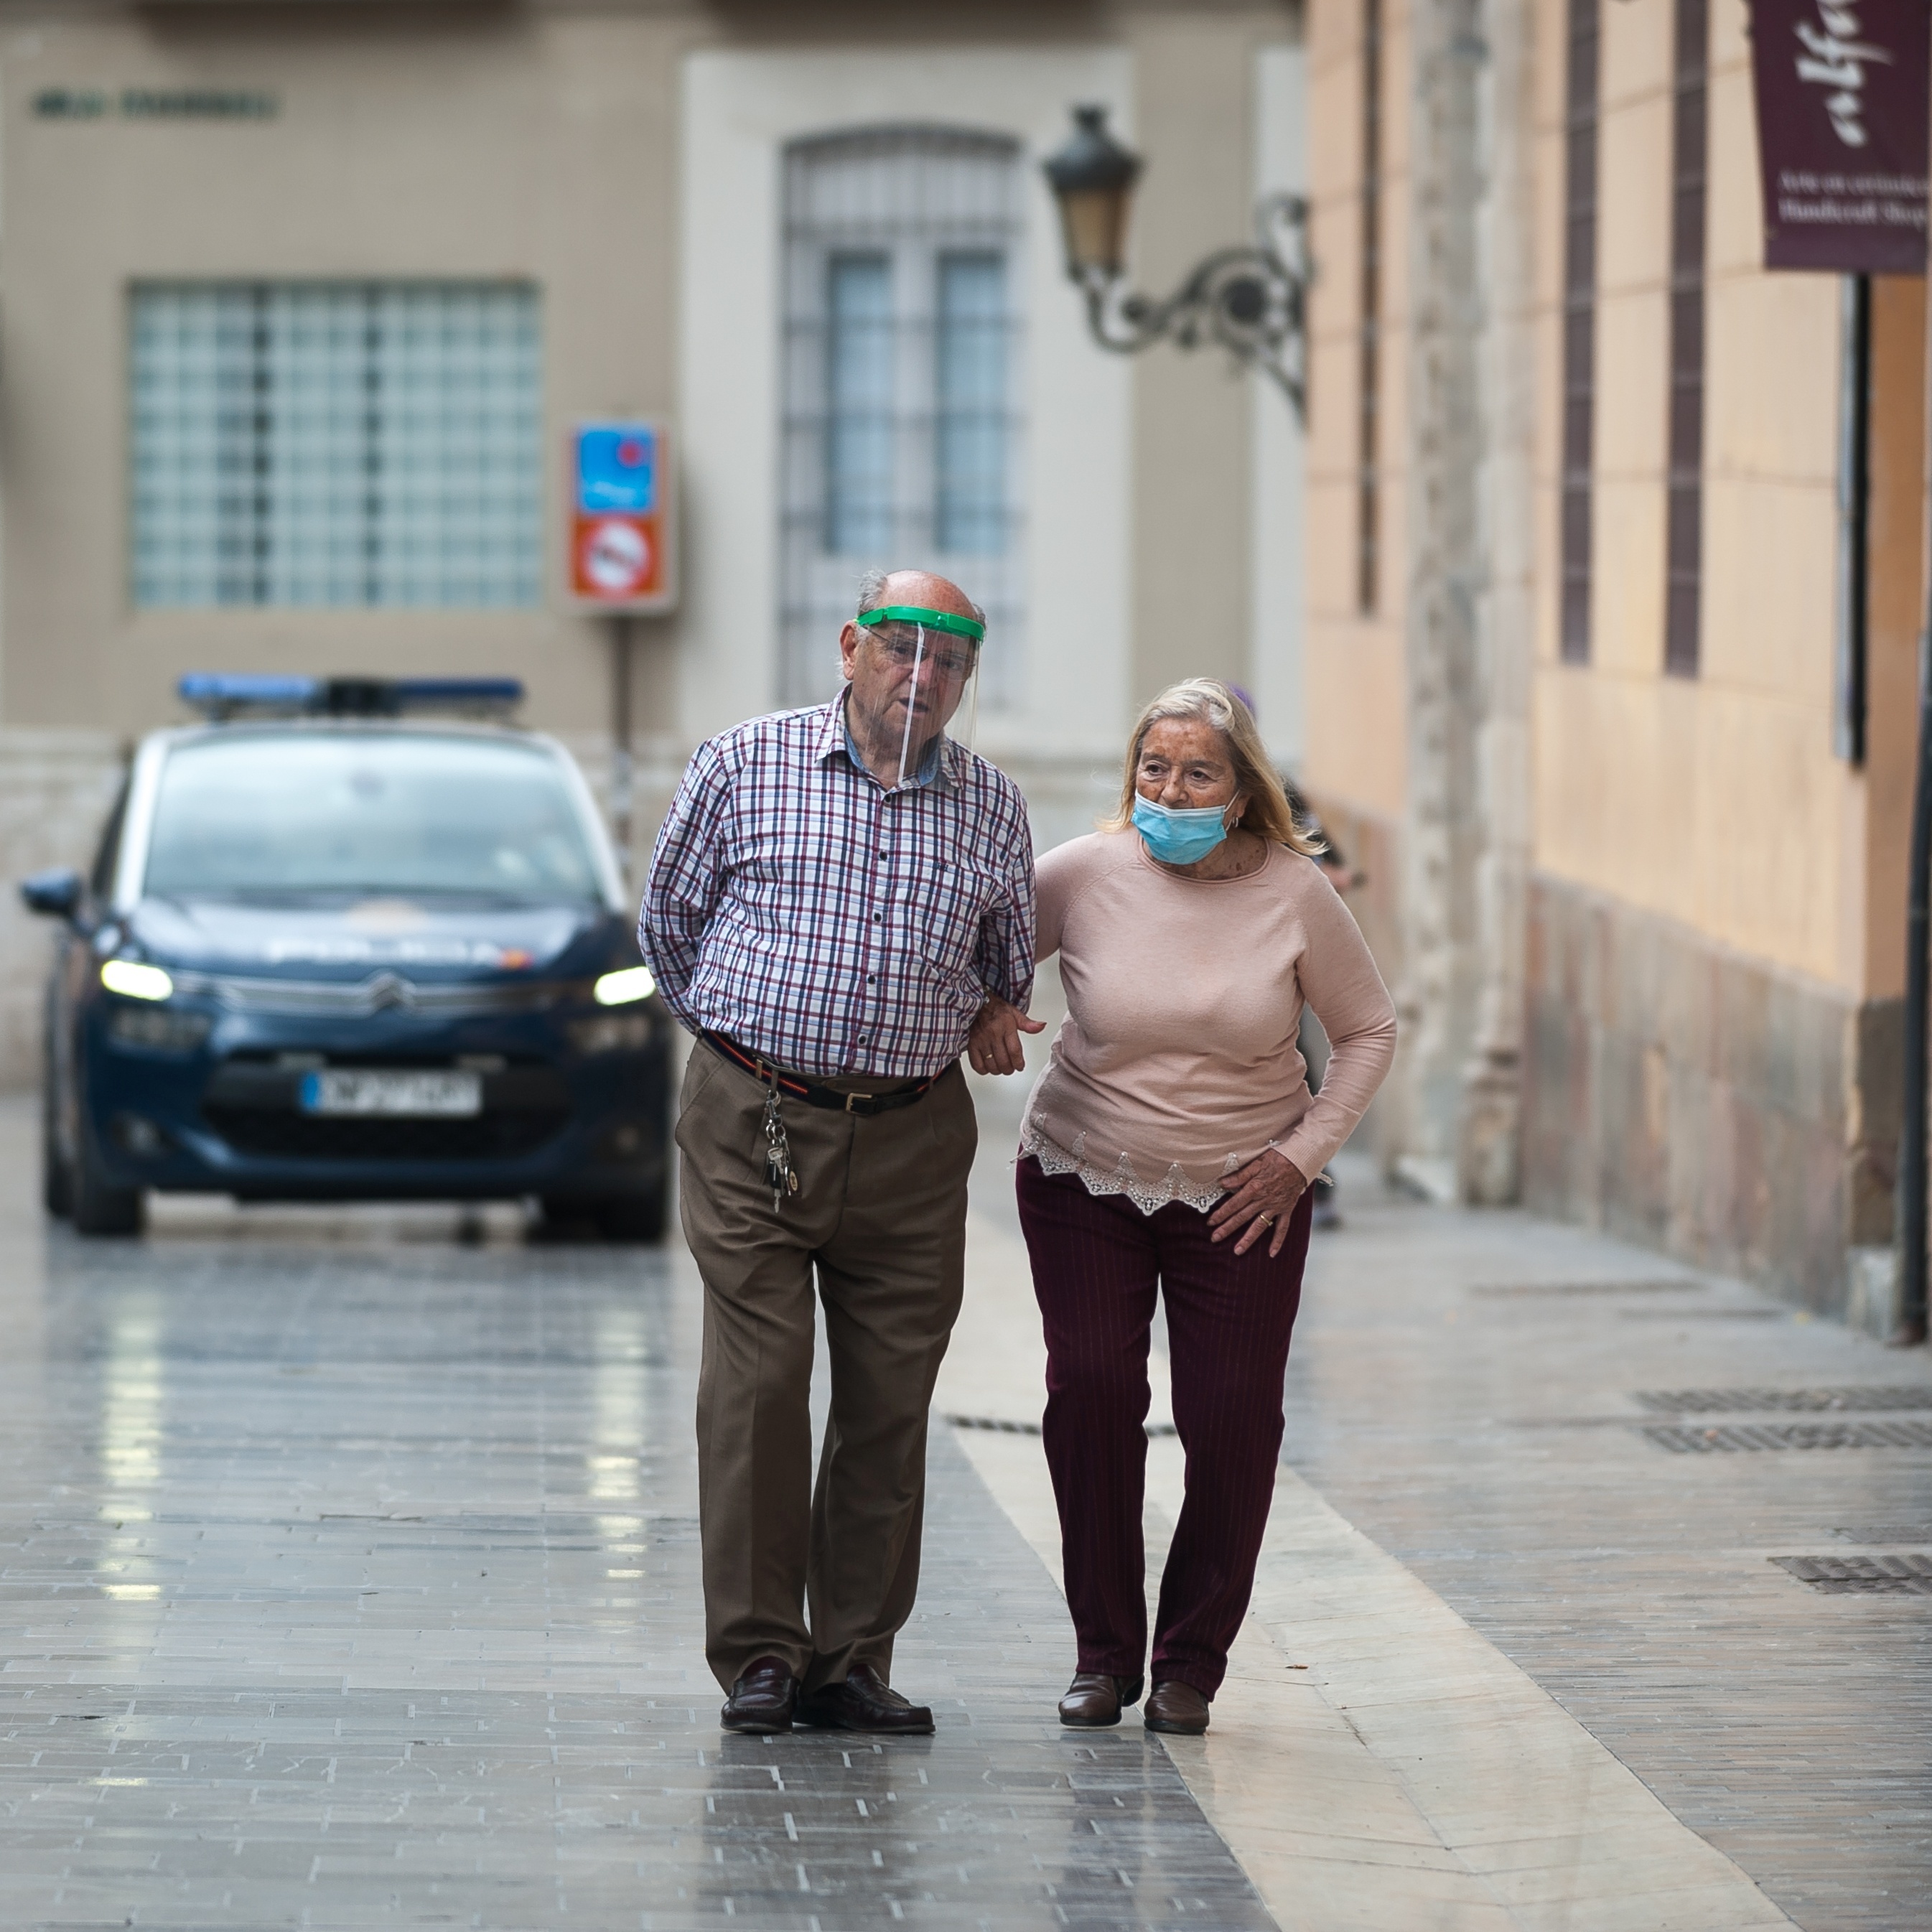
x=928 y=662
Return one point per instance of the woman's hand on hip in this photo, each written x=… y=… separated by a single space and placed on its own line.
x=994 y=1046
x=1259 y=1199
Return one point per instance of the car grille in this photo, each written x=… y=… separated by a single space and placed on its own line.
x=288 y=1135
x=381 y=992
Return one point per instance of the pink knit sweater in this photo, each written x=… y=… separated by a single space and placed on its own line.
x=1178 y=1060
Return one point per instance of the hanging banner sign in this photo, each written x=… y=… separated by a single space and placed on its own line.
x=1842 y=89
x=622 y=534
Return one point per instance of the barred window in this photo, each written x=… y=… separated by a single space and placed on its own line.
x=1368 y=329
x=1684 y=529
x=336 y=443
x=1580 y=326
x=901 y=429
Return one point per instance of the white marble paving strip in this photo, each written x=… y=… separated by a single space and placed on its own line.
x=1374 y=1761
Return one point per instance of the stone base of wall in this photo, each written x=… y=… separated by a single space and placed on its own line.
x=1680 y=1095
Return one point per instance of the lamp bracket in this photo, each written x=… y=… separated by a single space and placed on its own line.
x=1251 y=299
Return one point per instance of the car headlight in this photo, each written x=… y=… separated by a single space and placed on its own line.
x=612 y=1033
x=162 y=1029
x=133 y=981
x=620 y=988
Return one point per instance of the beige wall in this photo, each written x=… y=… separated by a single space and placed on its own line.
x=545 y=141
x=1277 y=510
x=1717 y=802
x=1356 y=675
x=549 y=140
x=1192 y=579
x=498 y=143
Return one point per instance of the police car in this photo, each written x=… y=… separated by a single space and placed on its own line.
x=334 y=946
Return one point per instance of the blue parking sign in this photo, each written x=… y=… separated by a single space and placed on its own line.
x=616 y=468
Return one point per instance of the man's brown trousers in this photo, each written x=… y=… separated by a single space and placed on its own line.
x=880 y=1213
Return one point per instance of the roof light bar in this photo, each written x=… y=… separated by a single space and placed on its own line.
x=219 y=695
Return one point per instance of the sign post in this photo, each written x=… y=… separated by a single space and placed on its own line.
x=623 y=563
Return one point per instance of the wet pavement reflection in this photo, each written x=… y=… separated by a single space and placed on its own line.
x=349 y=1577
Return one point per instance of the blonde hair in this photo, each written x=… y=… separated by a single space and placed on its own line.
x=1267 y=813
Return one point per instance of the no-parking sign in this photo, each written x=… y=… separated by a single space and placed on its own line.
x=623 y=533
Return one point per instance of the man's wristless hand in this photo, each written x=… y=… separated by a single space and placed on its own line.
x=994 y=1046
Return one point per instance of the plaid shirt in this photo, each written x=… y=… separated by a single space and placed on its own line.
x=828 y=924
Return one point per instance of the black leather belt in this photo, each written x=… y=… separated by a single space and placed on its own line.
x=809 y=1091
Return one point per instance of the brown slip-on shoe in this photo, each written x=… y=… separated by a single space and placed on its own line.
x=1177 y=1707
x=1093 y=1701
x=863 y=1703
x=764 y=1699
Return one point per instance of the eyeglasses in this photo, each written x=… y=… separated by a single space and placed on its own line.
x=900 y=642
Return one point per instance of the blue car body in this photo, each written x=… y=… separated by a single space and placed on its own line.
x=214 y=1086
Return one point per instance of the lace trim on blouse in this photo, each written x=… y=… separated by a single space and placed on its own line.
x=1149 y=1197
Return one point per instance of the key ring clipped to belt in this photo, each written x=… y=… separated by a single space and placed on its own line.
x=780 y=1175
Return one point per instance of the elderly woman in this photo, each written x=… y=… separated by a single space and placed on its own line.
x=1171 y=1142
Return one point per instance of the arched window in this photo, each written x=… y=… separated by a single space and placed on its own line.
x=901 y=350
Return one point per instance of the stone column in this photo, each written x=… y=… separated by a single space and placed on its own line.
x=1488 y=1138
x=1444 y=565
x=1470 y=577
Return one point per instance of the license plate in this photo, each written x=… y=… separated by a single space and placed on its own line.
x=348 y=1089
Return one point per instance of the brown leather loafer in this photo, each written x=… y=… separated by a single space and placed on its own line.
x=1093 y=1701
x=863 y=1703
x=764 y=1699
x=1178 y=1707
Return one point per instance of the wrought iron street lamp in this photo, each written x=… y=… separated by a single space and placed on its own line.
x=1250 y=299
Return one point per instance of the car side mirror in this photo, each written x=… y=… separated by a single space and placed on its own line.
x=54 y=894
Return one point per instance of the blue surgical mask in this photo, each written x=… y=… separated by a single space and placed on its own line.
x=1179 y=837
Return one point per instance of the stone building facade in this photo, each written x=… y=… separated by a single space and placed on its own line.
x=678 y=207
x=1579 y=632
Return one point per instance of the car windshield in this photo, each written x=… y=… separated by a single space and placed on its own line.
x=418 y=815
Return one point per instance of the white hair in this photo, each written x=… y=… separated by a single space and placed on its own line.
x=872 y=588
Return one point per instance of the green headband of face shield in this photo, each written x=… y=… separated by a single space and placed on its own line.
x=933 y=620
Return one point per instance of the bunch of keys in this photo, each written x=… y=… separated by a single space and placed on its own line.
x=780 y=1176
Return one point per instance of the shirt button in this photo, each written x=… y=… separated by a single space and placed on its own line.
x=872 y=978
x=877 y=917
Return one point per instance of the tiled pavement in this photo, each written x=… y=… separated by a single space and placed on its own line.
x=1464 y=1390
x=347 y=1578
x=1456 y=1398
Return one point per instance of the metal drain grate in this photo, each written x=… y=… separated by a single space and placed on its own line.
x=1805 y=1402
x=1693 y=1441
x=1862 y=1576
x=1668 y=1286
x=1005 y=1428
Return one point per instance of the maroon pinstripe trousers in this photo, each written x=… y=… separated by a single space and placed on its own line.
x=1097 y=1260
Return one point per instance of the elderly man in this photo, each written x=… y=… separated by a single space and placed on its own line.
x=835 y=895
